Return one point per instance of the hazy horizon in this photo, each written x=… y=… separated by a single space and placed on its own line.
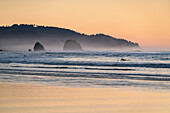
x=145 y=22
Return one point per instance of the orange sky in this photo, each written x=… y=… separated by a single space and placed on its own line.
x=144 y=21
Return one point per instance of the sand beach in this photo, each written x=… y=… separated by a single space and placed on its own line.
x=25 y=98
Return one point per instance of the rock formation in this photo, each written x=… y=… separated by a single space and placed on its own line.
x=123 y=59
x=29 y=50
x=72 y=45
x=38 y=47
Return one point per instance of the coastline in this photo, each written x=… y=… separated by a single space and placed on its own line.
x=25 y=98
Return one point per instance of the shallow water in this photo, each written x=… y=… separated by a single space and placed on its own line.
x=87 y=69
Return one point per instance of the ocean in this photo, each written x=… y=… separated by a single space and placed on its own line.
x=150 y=70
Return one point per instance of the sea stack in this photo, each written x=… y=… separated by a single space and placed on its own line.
x=38 y=47
x=72 y=45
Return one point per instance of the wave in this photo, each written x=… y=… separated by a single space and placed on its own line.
x=64 y=67
x=134 y=76
x=92 y=63
x=150 y=69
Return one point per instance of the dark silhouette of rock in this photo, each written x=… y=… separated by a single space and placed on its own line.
x=72 y=45
x=29 y=50
x=39 y=47
x=122 y=59
x=1 y=50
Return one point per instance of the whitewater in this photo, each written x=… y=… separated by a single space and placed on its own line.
x=149 y=70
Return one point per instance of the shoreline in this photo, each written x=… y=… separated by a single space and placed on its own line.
x=26 y=98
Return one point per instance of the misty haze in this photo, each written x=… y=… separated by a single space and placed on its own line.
x=23 y=37
x=84 y=56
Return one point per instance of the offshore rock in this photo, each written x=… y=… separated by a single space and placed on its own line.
x=72 y=45
x=38 y=47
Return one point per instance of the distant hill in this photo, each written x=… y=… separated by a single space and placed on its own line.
x=24 y=36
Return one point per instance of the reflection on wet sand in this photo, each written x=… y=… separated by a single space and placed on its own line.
x=22 y=98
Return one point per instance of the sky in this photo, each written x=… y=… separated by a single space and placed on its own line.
x=146 y=22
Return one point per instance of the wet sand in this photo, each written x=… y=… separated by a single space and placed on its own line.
x=23 y=98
